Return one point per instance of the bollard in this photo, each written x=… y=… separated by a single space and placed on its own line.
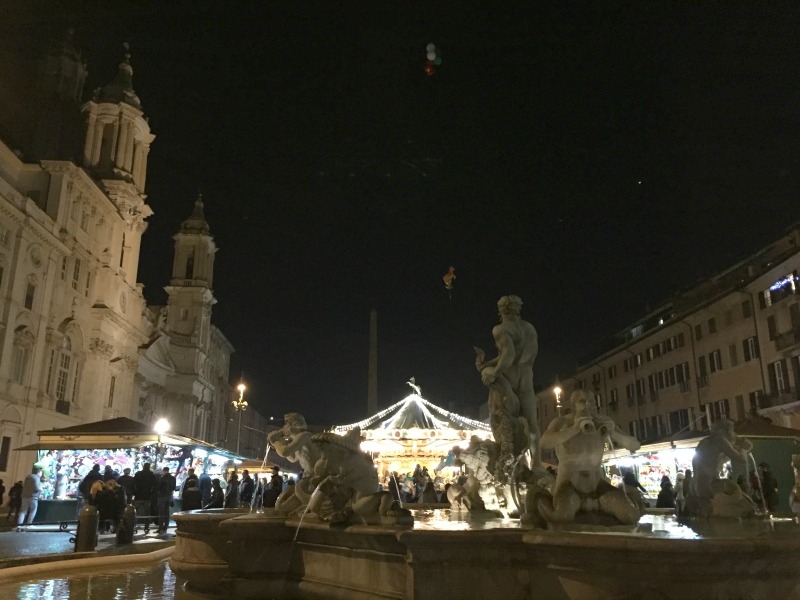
x=86 y=535
x=127 y=525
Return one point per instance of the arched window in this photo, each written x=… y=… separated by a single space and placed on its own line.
x=23 y=347
x=63 y=363
x=64 y=376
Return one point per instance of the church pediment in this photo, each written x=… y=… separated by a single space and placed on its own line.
x=157 y=350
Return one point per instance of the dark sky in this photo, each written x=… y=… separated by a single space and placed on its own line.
x=592 y=159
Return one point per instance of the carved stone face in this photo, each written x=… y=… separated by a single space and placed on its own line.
x=580 y=403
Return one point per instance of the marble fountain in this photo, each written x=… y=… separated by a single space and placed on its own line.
x=512 y=530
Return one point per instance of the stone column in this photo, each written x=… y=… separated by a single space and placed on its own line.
x=122 y=141
x=88 y=147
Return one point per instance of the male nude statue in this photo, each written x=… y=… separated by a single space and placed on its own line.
x=509 y=377
x=579 y=439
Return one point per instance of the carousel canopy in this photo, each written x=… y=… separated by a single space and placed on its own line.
x=414 y=412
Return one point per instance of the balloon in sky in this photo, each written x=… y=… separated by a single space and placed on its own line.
x=449 y=278
x=433 y=59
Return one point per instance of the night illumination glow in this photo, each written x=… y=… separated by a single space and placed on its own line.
x=428 y=410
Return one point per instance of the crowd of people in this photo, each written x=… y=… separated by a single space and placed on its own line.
x=761 y=486
x=418 y=487
x=152 y=494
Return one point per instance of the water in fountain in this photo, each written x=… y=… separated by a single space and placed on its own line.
x=758 y=479
x=310 y=500
x=399 y=493
x=614 y=456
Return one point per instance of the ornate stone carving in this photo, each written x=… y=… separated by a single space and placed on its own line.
x=98 y=346
x=710 y=496
x=339 y=479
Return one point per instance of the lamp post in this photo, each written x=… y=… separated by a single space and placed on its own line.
x=160 y=427
x=240 y=405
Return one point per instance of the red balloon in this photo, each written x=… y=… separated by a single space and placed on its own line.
x=429 y=69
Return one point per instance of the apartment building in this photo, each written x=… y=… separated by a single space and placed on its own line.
x=729 y=346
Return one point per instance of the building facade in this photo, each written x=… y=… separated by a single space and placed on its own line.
x=77 y=341
x=184 y=366
x=72 y=214
x=729 y=346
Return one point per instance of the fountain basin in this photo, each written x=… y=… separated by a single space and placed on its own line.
x=270 y=557
x=201 y=547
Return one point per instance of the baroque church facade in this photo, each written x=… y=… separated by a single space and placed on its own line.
x=78 y=342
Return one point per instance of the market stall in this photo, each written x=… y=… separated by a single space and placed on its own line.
x=772 y=444
x=66 y=455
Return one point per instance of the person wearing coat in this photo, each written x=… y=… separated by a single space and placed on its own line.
x=190 y=496
x=232 y=492
x=217 y=498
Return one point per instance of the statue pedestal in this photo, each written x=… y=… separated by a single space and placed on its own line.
x=270 y=556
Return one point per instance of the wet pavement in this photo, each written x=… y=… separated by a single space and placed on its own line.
x=39 y=543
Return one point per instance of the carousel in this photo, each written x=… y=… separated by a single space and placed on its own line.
x=415 y=432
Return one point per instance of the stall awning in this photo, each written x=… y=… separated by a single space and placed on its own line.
x=112 y=434
x=84 y=445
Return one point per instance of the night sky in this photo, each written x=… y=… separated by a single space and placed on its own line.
x=592 y=159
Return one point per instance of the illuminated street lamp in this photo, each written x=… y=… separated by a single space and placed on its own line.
x=160 y=427
x=557 y=391
x=240 y=405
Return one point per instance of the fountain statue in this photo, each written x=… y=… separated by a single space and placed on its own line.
x=379 y=551
x=509 y=377
x=709 y=495
x=794 y=495
x=481 y=491
x=340 y=483
x=293 y=442
x=582 y=493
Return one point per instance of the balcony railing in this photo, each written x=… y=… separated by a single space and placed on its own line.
x=777 y=398
x=62 y=406
x=787 y=339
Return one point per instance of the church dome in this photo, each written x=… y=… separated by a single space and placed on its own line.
x=196 y=223
x=121 y=89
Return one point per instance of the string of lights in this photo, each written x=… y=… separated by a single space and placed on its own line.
x=426 y=406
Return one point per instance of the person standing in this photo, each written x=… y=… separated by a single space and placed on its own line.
x=232 y=491
x=204 y=483
x=190 y=496
x=166 y=489
x=680 y=494
x=217 y=498
x=85 y=486
x=190 y=476
x=14 y=501
x=275 y=489
x=666 y=497
x=144 y=486
x=127 y=482
x=31 y=490
x=108 y=474
x=2 y=492
x=246 y=488
x=769 y=485
x=61 y=483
